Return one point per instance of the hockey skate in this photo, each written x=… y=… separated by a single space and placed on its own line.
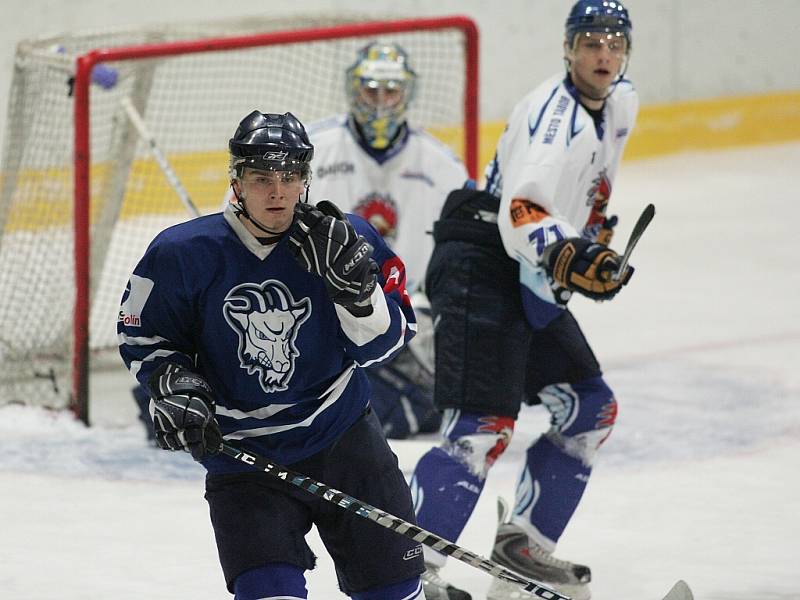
x=515 y=551
x=436 y=588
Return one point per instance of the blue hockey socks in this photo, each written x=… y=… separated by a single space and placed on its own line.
x=549 y=490
x=445 y=493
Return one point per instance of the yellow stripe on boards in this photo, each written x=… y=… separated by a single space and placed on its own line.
x=42 y=198
x=697 y=125
x=715 y=124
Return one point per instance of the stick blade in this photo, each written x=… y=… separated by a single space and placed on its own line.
x=680 y=591
x=644 y=220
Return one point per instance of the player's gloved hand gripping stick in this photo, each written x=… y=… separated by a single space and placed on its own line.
x=591 y=268
x=182 y=409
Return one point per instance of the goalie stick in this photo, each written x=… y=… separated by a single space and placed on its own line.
x=404 y=528
x=161 y=159
x=638 y=229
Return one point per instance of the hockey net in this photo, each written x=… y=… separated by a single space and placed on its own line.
x=81 y=196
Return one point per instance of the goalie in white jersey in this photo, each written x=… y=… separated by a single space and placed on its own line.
x=380 y=167
x=504 y=332
x=373 y=163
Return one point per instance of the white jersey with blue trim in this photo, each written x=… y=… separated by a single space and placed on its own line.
x=399 y=191
x=282 y=360
x=554 y=171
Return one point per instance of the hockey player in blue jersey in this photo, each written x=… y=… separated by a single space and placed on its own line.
x=505 y=264
x=254 y=326
x=377 y=165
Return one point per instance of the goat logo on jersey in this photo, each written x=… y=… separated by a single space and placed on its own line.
x=267 y=320
x=379 y=211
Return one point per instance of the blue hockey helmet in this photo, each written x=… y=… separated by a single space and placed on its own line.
x=271 y=142
x=380 y=85
x=598 y=16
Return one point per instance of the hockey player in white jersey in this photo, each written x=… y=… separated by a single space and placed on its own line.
x=504 y=332
x=371 y=162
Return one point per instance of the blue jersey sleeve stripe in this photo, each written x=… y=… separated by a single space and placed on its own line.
x=401 y=340
x=130 y=340
x=137 y=365
x=260 y=413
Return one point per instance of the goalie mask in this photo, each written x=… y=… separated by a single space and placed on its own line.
x=380 y=86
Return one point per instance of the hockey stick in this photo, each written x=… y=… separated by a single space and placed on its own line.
x=680 y=591
x=641 y=224
x=389 y=521
x=161 y=159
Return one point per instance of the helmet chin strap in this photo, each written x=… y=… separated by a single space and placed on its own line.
x=241 y=209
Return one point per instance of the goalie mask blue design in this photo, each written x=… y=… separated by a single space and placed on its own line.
x=267 y=319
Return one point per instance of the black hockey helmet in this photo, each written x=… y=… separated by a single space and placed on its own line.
x=271 y=142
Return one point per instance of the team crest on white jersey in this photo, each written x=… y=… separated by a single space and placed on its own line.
x=380 y=211
x=267 y=319
x=597 y=197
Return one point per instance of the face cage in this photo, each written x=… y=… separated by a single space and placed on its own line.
x=379 y=125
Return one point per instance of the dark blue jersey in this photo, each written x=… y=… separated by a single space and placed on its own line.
x=283 y=359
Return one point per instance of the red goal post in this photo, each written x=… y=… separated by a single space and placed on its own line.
x=83 y=123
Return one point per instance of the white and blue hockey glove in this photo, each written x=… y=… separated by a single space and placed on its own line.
x=324 y=243
x=182 y=409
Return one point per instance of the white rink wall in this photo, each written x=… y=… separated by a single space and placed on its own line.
x=683 y=49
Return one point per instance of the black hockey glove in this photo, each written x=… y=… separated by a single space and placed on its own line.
x=182 y=408
x=324 y=243
x=585 y=267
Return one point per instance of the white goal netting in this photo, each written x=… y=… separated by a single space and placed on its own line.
x=192 y=103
